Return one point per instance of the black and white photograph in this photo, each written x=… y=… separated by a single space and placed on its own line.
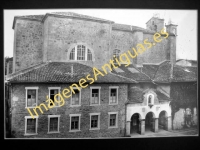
x=100 y=73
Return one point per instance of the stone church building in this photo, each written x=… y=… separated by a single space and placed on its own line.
x=55 y=50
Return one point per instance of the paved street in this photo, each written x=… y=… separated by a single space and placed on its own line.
x=164 y=133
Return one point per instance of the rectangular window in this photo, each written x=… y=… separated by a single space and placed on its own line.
x=75 y=122
x=31 y=125
x=113 y=95
x=76 y=98
x=95 y=95
x=54 y=121
x=113 y=119
x=94 y=121
x=80 y=52
x=31 y=96
x=52 y=92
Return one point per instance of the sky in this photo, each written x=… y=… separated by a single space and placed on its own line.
x=185 y=19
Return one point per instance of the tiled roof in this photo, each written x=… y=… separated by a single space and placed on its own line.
x=161 y=96
x=121 y=27
x=167 y=73
x=163 y=72
x=150 y=69
x=125 y=27
x=131 y=72
x=61 y=72
x=184 y=74
x=136 y=95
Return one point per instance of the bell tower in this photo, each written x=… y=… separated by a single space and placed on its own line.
x=171 y=29
x=155 y=23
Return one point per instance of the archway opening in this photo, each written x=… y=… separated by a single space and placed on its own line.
x=135 y=123
x=162 y=122
x=149 y=121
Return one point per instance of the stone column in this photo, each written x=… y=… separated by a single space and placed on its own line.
x=142 y=127
x=155 y=126
x=168 y=124
x=128 y=128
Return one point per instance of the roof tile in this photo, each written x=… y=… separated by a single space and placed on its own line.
x=61 y=72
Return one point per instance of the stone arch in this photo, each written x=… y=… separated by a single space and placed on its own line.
x=154 y=114
x=163 y=120
x=135 y=123
x=149 y=121
x=80 y=43
x=135 y=112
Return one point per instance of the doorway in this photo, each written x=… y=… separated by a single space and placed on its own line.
x=149 y=122
x=162 y=122
x=135 y=123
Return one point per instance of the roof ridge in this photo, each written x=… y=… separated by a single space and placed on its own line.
x=142 y=72
x=163 y=92
x=123 y=77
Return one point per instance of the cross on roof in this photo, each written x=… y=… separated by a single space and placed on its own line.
x=72 y=72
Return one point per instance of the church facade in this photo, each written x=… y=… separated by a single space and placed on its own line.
x=54 y=51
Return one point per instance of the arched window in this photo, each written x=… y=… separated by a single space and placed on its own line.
x=80 y=52
x=89 y=55
x=72 y=54
x=116 y=53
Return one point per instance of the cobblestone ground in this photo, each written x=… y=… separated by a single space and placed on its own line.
x=164 y=133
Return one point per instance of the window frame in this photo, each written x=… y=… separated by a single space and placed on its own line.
x=116 y=121
x=117 y=94
x=95 y=114
x=91 y=88
x=79 y=122
x=79 y=97
x=76 y=53
x=55 y=88
x=31 y=88
x=53 y=116
x=30 y=117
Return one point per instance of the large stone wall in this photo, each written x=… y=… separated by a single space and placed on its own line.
x=122 y=41
x=28 y=44
x=60 y=34
x=155 y=54
x=19 y=112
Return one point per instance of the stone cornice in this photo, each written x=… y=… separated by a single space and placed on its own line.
x=23 y=18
